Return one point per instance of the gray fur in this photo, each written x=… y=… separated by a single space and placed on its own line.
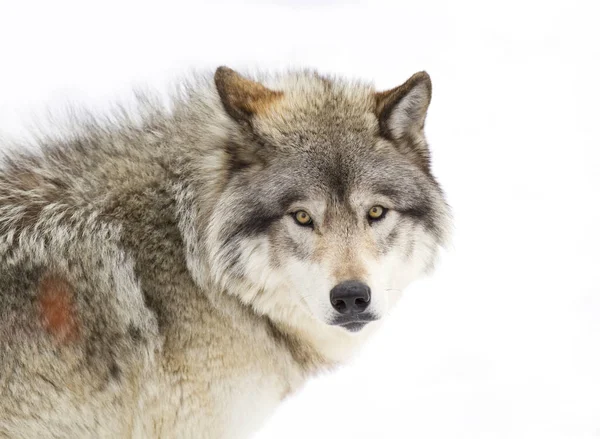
x=135 y=297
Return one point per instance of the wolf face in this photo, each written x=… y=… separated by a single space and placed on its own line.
x=329 y=208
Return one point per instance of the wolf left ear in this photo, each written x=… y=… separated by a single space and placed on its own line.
x=402 y=110
x=242 y=97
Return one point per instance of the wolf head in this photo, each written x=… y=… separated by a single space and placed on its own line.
x=328 y=208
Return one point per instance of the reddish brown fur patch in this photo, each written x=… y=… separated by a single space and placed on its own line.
x=57 y=308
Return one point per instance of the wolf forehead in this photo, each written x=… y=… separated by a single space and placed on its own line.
x=334 y=178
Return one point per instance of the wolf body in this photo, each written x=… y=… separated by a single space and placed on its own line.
x=179 y=275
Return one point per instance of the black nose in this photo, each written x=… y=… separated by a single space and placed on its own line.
x=350 y=297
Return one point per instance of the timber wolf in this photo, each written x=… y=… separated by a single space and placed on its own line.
x=179 y=274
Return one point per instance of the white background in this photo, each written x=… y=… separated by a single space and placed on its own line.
x=503 y=341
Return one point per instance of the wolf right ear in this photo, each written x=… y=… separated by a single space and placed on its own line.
x=242 y=97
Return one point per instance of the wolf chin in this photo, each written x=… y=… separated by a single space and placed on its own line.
x=179 y=274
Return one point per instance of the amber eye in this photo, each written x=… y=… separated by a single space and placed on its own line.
x=377 y=213
x=303 y=218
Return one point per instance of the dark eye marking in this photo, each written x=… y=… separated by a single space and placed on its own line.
x=417 y=212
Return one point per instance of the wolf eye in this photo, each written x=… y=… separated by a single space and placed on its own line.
x=377 y=213
x=302 y=218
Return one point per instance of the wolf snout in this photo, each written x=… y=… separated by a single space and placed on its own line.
x=350 y=297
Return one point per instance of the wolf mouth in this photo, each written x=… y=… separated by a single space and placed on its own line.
x=354 y=323
x=354 y=326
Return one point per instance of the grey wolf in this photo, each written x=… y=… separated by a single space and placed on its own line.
x=179 y=274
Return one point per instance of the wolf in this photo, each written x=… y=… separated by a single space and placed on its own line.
x=180 y=272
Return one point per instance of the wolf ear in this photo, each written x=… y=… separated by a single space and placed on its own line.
x=401 y=110
x=242 y=97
